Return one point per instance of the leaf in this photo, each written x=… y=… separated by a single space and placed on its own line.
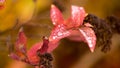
x=52 y=45
x=78 y=14
x=89 y=37
x=58 y=32
x=32 y=53
x=44 y=47
x=56 y=15
x=21 y=42
x=75 y=36
x=38 y=48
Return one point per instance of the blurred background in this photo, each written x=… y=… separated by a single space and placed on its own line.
x=34 y=16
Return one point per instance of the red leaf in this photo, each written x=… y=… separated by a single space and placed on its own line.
x=41 y=48
x=58 y=33
x=52 y=45
x=44 y=47
x=89 y=36
x=21 y=42
x=78 y=14
x=32 y=53
x=56 y=15
x=85 y=34
x=75 y=36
